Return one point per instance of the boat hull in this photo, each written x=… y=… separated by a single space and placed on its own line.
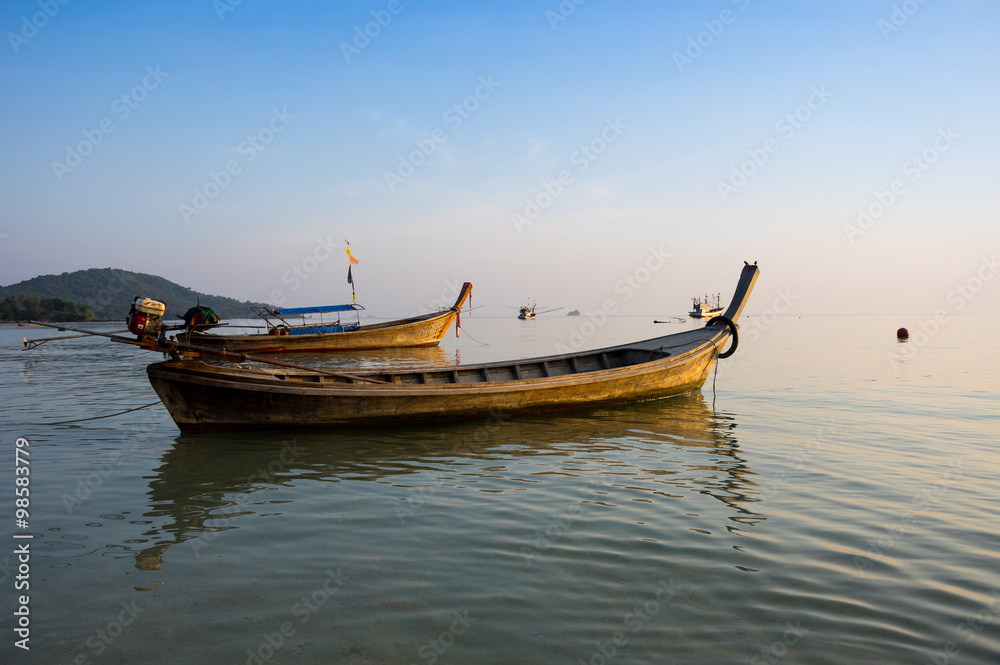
x=201 y=397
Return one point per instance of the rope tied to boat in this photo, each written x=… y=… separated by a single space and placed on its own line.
x=475 y=340
x=110 y=415
x=715 y=375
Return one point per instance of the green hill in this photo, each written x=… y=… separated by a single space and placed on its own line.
x=108 y=293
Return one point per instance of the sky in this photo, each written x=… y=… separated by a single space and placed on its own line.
x=609 y=157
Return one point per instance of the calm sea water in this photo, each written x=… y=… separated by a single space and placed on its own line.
x=833 y=499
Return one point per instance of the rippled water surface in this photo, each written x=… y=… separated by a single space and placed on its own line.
x=833 y=499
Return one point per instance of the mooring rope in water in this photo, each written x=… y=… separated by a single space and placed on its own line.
x=715 y=375
x=110 y=415
x=466 y=333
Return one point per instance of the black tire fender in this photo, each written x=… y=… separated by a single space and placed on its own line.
x=732 y=329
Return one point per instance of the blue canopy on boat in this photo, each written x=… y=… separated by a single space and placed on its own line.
x=321 y=330
x=288 y=311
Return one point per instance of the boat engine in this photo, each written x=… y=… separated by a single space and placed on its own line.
x=145 y=318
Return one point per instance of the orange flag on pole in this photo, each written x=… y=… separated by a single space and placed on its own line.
x=350 y=257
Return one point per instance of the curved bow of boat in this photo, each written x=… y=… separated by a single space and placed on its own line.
x=463 y=294
x=743 y=289
x=725 y=324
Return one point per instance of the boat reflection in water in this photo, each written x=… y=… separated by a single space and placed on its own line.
x=206 y=484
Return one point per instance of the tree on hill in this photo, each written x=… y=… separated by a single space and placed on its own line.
x=108 y=292
x=33 y=308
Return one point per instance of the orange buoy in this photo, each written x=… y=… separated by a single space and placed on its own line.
x=903 y=333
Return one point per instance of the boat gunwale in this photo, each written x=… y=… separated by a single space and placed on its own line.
x=385 y=325
x=260 y=379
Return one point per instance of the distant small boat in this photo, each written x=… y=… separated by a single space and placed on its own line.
x=705 y=308
x=528 y=311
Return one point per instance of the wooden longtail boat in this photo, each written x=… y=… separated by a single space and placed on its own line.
x=203 y=397
x=425 y=330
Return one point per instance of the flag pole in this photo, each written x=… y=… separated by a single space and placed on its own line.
x=351 y=261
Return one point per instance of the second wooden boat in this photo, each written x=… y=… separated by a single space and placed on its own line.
x=425 y=330
x=203 y=397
